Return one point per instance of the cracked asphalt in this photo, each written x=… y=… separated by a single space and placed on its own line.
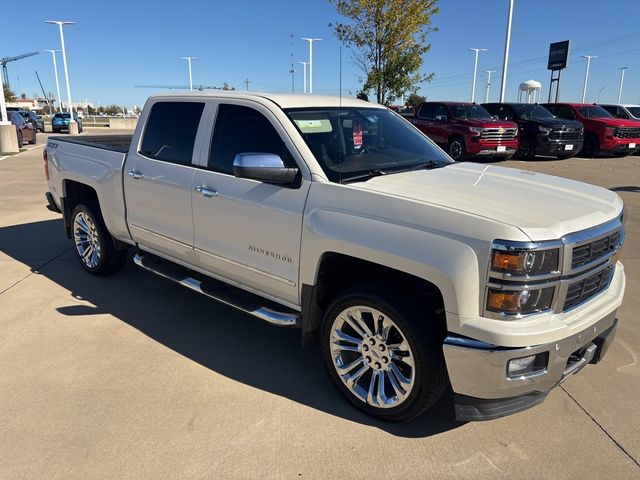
x=132 y=376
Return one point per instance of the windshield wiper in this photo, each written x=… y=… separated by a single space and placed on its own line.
x=426 y=165
x=365 y=176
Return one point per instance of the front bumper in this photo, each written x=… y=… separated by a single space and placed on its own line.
x=558 y=147
x=619 y=145
x=483 y=388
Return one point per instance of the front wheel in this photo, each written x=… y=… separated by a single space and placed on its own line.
x=526 y=150
x=457 y=149
x=384 y=353
x=20 y=140
x=93 y=244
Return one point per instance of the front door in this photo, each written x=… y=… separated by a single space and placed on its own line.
x=158 y=179
x=248 y=231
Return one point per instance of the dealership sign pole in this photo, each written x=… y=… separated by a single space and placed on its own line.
x=558 y=55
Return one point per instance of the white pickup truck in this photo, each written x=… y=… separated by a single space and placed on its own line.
x=416 y=274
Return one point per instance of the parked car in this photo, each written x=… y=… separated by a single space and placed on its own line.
x=406 y=111
x=629 y=112
x=31 y=117
x=415 y=273
x=467 y=130
x=541 y=133
x=25 y=131
x=60 y=121
x=602 y=132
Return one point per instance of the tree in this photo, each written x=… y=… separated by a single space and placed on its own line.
x=414 y=100
x=389 y=40
x=9 y=96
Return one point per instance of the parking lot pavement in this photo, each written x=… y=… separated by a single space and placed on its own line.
x=132 y=376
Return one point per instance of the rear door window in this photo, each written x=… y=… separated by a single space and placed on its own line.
x=170 y=132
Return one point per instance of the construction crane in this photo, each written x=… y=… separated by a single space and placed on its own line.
x=4 y=61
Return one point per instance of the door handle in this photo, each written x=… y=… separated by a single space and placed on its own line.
x=207 y=192
x=137 y=174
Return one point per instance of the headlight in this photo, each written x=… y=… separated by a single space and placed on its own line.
x=609 y=131
x=544 y=130
x=475 y=131
x=520 y=302
x=513 y=261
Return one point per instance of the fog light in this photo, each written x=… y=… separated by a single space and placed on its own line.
x=518 y=367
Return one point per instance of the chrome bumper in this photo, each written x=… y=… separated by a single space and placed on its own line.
x=479 y=370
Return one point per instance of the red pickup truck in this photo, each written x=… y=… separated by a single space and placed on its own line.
x=603 y=133
x=466 y=130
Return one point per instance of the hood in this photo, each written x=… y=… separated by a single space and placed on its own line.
x=542 y=206
x=614 y=122
x=554 y=122
x=485 y=122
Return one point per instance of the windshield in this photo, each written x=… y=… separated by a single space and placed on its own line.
x=635 y=111
x=352 y=142
x=468 y=111
x=62 y=115
x=532 y=111
x=593 y=111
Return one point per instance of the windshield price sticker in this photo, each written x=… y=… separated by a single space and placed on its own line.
x=357 y=134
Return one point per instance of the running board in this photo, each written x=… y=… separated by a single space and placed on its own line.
x=262 y=308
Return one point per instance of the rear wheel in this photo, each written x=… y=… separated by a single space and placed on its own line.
x=384 y=353
x=457 y=149
x=93 y=244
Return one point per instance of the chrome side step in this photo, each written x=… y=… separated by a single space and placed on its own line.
x=262 y=308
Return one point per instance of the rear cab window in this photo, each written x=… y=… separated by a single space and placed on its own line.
x=170 y=132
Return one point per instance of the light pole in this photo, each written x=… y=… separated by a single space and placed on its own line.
x=505 y=61
x=311 y=40
x=586 y=76
x=486 y=88
x=60 y=23
x=189 y=59
x=622 y=69
x=304 y=75
x=475 y=70
x=55 y=71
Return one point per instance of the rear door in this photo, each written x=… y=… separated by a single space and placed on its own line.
x=246 y=231
x=158 y=176
x=425 y=120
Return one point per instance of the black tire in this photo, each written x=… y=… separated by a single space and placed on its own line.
x=456 y=149
x=54 y=130
x=526 y=150
x=33 y=140
x=20 y=140
x=423 y=334
x=109 y=259
x=591 y=146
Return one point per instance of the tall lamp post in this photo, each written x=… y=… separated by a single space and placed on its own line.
x=189 y=59
x=488 y=85
x=586 y=76
x=622 y=69
x=505 y=60
x=55 y=71
x=304 y=75
x=60 y=24
x=311 y=40
x=475 y=70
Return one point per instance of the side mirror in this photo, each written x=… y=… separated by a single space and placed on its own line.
x=265 y=167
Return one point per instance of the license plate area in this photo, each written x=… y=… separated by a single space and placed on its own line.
x=501 y=148
x=568 y=147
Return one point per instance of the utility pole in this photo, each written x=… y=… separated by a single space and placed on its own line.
x=475 y=70
x=488 y=85
x=586 y=76
x=505 y=61
x=189 y=59
x=304 y=75
x=246 y=83
x=311 y=40
x=622 y=70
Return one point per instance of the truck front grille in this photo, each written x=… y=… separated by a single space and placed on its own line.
x=627 y=132
x=566 y=134
x=583 y=290
x=595 y=250
x=498 y=134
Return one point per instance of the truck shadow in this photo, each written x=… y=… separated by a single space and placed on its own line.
x=218 y=337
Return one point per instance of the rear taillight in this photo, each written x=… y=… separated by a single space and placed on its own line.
x=46 y=163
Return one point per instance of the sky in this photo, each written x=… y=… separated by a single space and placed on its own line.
x=116 y=45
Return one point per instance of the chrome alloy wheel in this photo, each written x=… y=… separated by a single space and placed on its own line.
x=372 y=357
x=455 y=150
x=85 y=236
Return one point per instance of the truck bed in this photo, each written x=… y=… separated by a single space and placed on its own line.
x=116 y=143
